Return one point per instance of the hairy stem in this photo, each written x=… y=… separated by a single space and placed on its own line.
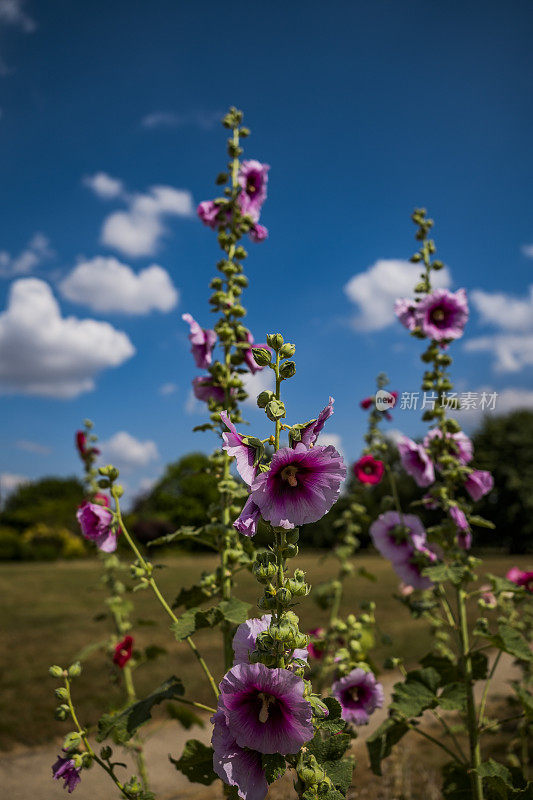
x=465 y=661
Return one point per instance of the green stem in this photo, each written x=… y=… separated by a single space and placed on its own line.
x=483 y=703
x=279 y=536
x=201 y=706
x=465 y=661
x=451 y=734
x=153 y=585
x=435 y=741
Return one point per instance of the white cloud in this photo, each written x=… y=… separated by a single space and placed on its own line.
x=168 y=388
x=504 y=310
x=12 y=13
x=33 y=447
x=9 y=481
x=375 y=290
x=511 y=399
x=334 y=439
x=139 y=230
x=127 y=452
x=172 y=119
x=104 y=186
x=104 y=284
x=43 y=353
x=255 y=384
x=512 y=352
x=527 y=250
x=36 y=251
x=192 y=405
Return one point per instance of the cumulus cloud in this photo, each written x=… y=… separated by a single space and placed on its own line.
x=106 y=285
x=36 y=251
x=512 y=344
x=527 y=250
x=503 y=310
x=43 y=353
x=127 y=452
x=33 y=447
x=104 y=186
x=255 y=384
x=512 y=352
x=139 y=230
x=12 y=13
x=168 y=388
x=374 y=291
x=204 y=120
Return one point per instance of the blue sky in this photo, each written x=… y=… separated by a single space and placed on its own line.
x=363 y=111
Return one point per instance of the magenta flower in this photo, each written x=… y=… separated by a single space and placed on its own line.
x=210 y=214
x=64 y=769
x=246 y=637
x=479 y=483
x=243 y=453
x=461 y=443
x=248 y=356
x=464 y=534
x=248 y=520
x=202 y=342
x=397 y=537
x=258 y=233
x=235 y=765
x=405 y=310
x=253 y=179
x=314 y=648
x=265 y=708
x=521 y=578
x=410 y=569
x=311 y=431
x=96 y=525
x=301 y=485
x=205 y=389
x=443 y=314
x=369 y=470
x=416 y=461
x=366 y=402
x=359 y=695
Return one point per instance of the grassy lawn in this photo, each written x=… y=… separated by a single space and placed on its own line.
x=48 y=615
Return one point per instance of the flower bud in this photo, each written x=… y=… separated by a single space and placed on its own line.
x=290 y=551
x=275 y=410
x=287 y=370
x=275 y=341
x=72 y=741
x=61 y=693
x=284 y=596
x=55 y=671
x=264 y=398
x=74 y=671
x=261 y=356
x=288 y=350
x=291 y=537
x=62 y=712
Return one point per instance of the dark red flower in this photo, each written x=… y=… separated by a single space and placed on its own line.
x=81 y=442
x=123 y=651
x=366 y=403
x=369 y=470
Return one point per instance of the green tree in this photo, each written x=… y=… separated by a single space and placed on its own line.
x=49 y=501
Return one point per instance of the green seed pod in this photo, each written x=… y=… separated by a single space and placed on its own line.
x=287 y=370
x=55 y=671
x=74 y=671
x=288 y=350
x=275 y=341
x=275 y=410
x=72 y=741
x=261 y=356
x=62 y=712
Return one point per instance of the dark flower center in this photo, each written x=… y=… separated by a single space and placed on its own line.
x=438 y=315
x=289 y=474
x=368 y=468
x=354 y=693
x=266 y=701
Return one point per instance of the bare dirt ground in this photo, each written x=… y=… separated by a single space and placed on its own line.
x=25 y=773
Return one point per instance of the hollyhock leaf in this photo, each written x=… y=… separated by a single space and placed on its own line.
x=191 y=597
x=234 y=610
x=122 y=725
x=185 y=716
x=325 y=747
x=456 y=782
x=381 y=742
x=416 y=694
x=196 y=763
x=503 y=584
x=195 y=619
x=525 y=698
x=274 y=766
x=480 y=665
x=443 y=665
x=440 y=573
x=481 y=522
x=513 y=642
x=340 y=772
x=453 y=697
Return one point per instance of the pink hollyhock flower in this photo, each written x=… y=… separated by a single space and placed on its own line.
x=205 y=389
x=102 y=499
x=521 y=578
x=464 y=534
x=359 y=695
x=366 y=403
x=301 y=485
x=443 y=314
x=405 y=589
x=410 y=569
x=208 y=212
x=416 y=461
x=235 y=765
x=311 y=431
x=314 y=647
x=462 y=444
x=253 y=178
x=65 y=769
x=202 y=342
x=429 y=502
x=479 y=483
x=248 y=355
x=246 y=637
x=243 y=453
x=265 y=708
x=123 y=652
x=96 y=525
x=248 y=520
x=81 y=445
x=369 y=470
x=397 y=537
x=488 y=596
x=405 y=310
x=258 y=233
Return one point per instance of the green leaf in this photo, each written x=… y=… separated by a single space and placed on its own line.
x=526 y=699
x=196 y=763
x=417 y=693
x=440 y=573
x=123 y=724
x=191 y=597
x=234 y=610
x=514 y=643
x=381 y=742
x=274 y=766
x=334 y=722
x=193 y=620
x=453 y=697
x=481 y=522
x=456 y=783
x=185 y=716
x=445 y=666
x=480 y=665
x=340 y=772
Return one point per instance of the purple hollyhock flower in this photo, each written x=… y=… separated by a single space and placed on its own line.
x=443 y=314
x=95 y=522
x=464 y=534
x=205 y=389
x=246 y=637
x=311 y=431
x=243 y=453
x=248 y=355
x=359 y=695
x=410 y=569
x=258 y=233
x=479 y=483
x=202 y=342
x=253 y=179
x=301 y=485
x=247 y=521
x=265 y=708
x=64 y=769
x=208 y=212
x=391 y=541
x=235 y=765
x=416 y=461
x=405 y=310
x=463 y=445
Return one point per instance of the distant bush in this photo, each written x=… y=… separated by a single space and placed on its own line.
x=46 y=543
x=10 y=545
